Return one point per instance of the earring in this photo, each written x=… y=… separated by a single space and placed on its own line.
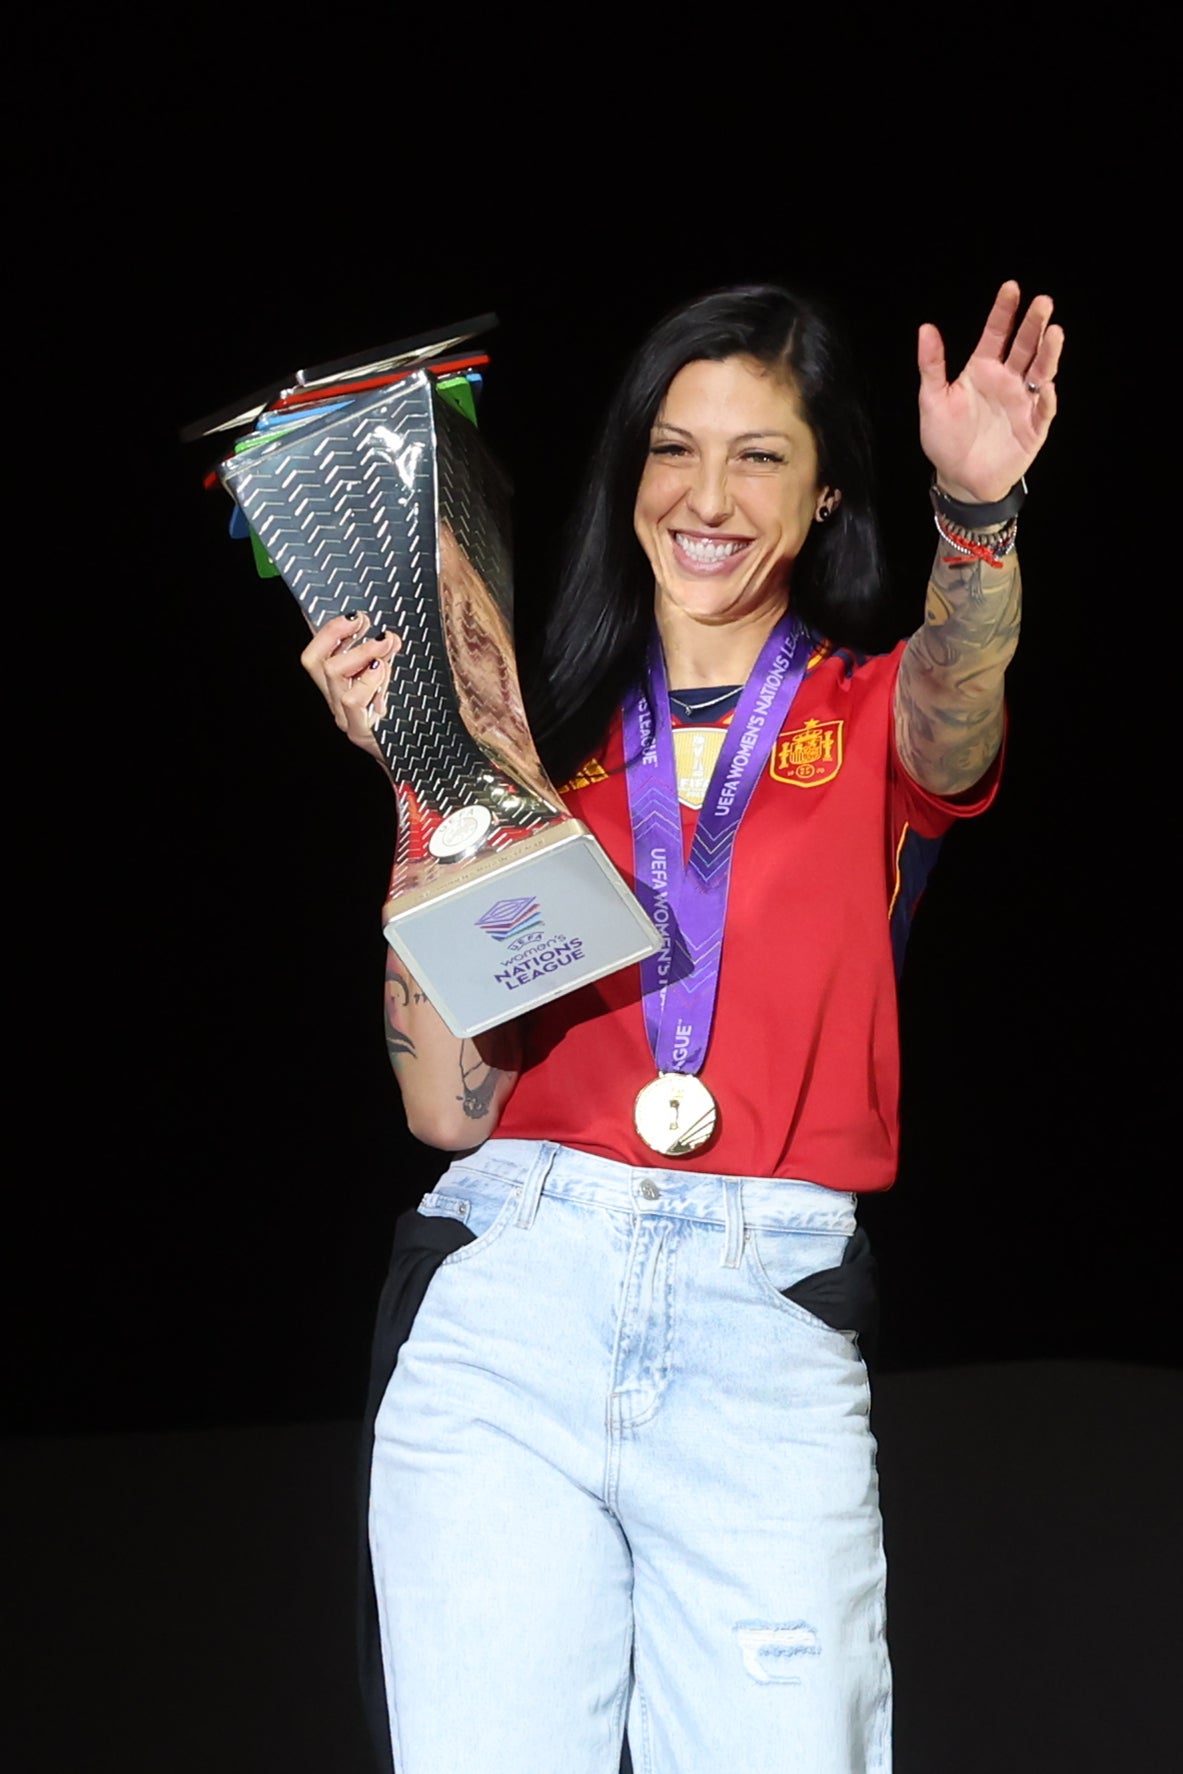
x=824 y=513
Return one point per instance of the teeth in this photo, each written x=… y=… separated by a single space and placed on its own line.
x=700 y=550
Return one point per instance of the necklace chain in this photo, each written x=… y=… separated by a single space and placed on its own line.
x=693 y=708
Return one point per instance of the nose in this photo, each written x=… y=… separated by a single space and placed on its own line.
x=709 y=495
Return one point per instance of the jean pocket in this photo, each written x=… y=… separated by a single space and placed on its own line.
x=828 y=1280
x=483 y=1205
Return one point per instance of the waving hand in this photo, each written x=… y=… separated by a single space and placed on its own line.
x=982 y=432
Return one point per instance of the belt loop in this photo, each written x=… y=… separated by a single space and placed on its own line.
x=532 y=1187
x=733 y=1212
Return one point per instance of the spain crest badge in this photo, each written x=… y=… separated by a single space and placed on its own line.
x=809 y=755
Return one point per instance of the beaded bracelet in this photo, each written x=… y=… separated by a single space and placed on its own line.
x=993 y=553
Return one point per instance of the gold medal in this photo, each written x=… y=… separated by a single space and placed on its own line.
x=675 y=1114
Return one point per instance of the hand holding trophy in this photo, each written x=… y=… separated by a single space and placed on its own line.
x=350 y=661
x=367 y=485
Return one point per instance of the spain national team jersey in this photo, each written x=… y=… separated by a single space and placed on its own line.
x=829 y=862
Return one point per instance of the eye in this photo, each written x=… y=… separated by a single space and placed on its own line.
x=667 y=449
x=763 y=458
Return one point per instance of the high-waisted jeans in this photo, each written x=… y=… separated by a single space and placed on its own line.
x=620 y=1478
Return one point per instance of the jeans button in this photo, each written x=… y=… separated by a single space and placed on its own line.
x=650 y=1190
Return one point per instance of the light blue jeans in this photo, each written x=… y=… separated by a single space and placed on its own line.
x=619 y=1477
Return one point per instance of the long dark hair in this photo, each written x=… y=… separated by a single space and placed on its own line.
x=598 y=626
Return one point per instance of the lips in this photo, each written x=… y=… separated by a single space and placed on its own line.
x=707 y=555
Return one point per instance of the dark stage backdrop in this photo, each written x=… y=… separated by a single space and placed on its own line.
x=221 y=1152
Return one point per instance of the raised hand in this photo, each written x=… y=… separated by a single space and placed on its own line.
x=982 y=432
x=352 y=671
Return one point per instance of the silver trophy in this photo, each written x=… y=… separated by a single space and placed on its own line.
x=391 y=504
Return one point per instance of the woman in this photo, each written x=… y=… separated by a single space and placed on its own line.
x=623 y=1470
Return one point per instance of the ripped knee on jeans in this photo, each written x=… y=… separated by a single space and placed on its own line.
x=772 y=1652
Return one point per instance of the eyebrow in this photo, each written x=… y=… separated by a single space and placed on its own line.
x=740 y=436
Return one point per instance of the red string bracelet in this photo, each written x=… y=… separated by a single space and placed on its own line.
x=968 y=549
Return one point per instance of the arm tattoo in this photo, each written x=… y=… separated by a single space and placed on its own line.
x=477 y=1096
x=399 y=1044
x=948 y=705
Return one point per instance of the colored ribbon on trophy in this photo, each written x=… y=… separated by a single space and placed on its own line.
x=688 y=900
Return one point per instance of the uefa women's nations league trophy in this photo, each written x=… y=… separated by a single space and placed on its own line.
x=385 y=500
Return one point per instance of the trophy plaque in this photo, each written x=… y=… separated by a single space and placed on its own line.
x=387 y=501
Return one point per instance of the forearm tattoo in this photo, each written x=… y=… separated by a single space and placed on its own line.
x=478 y=1079
x=948 y=710
x=399 y=994
x=476 y=1096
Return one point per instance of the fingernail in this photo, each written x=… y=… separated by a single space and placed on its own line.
x=354 y=616
x=375 y=665
x=379 y=634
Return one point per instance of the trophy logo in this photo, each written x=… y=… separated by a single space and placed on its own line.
x=510 y=918
x=460 y=834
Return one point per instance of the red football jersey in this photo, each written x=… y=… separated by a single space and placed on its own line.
x=828 y=863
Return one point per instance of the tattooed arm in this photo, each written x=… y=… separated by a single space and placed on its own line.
x=948 y=699
x=453 y=1090
x=981 y=433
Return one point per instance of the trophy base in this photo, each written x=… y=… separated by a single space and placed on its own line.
x=520 y=928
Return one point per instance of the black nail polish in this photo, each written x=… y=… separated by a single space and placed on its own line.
x=379 y=634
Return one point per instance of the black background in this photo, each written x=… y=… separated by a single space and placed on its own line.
x=211 y=1147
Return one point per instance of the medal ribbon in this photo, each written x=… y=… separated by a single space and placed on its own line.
x=688 y=901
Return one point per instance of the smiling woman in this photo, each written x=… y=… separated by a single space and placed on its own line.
x=796 y=376
x=727 y=497
x=623 y=1472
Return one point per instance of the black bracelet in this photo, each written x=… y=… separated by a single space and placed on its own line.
x=977 y=517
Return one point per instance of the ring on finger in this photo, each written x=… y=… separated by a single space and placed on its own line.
x=1032 y=387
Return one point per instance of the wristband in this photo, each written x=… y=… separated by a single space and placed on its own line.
x=977 y=517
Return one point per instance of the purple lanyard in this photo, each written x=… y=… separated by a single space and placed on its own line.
x=688 y=902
